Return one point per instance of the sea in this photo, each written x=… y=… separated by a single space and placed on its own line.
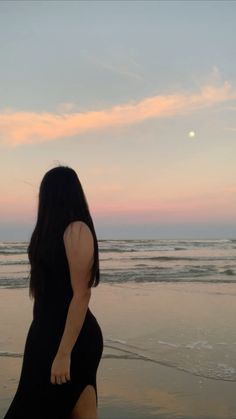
x=204 y=346
x=123 y=261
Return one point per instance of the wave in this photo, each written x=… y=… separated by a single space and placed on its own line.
x=218 y=372
x=12 y=252
x=21 y=282
x=167 y=258
x=117 y=249
x=191 y=276
x=133 y=246
x=13 y=262
x=9 y=243
x=229 y=272
x=122 y=246
x=214 y=371
x=11 y=354
x=130 y=264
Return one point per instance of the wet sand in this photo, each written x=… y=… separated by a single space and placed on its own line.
x=131 y=316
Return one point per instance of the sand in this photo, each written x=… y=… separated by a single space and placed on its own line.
x=141 y=316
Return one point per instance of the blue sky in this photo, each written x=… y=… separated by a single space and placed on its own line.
x=145 y=65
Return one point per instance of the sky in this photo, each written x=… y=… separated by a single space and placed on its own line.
x=138 y=97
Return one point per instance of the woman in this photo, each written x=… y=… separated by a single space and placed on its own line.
x=64 y=343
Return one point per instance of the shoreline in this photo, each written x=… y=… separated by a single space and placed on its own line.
x=135 y=389
x=166 y=322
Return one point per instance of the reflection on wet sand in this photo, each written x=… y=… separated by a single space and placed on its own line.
x=137 y=389
x=152 y=332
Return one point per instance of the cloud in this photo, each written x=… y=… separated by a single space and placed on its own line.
x=17 y=127
x=230 y=189
x=230 y=128
x=114 y=64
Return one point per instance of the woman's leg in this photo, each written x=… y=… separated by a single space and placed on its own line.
x=85 y=407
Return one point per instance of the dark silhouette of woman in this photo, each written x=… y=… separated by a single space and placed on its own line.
x=64 y=343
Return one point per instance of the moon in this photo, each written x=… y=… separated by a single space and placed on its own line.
x=191 y=134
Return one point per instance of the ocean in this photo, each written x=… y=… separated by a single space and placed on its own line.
x=168 y=302
x=124 y=261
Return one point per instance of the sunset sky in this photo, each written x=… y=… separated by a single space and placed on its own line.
x=138 y=97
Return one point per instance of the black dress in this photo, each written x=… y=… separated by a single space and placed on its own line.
x=36 y=397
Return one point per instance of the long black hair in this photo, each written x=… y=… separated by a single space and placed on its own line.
x=61 y=200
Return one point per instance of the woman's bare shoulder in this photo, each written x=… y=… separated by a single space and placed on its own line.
x=79 y=247
x=77 y=228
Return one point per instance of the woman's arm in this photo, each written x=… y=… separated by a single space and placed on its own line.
x=79 y=246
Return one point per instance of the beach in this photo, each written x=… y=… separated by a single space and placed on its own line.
x=117 y=145
x=169 y=348
x=117 y=126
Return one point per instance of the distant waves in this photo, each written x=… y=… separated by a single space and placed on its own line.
x=123 y=261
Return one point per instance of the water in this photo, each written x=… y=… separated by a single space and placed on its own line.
x=206 y=346
x=123 y=261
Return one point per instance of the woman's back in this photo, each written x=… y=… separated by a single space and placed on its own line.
x=50 y=310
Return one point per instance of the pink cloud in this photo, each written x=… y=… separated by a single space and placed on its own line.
x=205 y=207
x=18 y=128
